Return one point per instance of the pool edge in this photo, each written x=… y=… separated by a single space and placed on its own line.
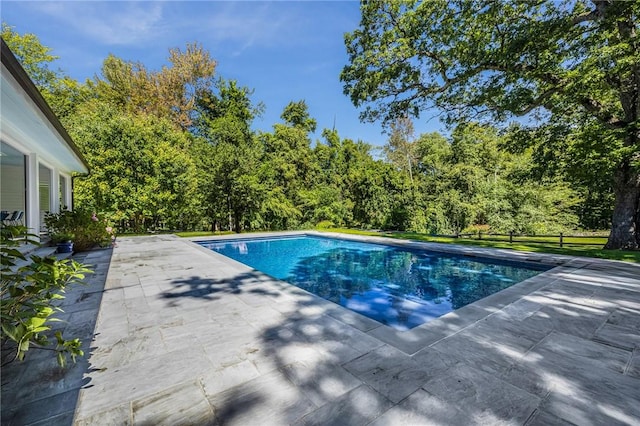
x=431 y=332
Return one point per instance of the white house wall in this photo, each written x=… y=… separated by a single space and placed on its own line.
x=21 y=190
x=29 y=126
x=23 y=123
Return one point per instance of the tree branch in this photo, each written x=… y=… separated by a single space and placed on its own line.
x=597 y=13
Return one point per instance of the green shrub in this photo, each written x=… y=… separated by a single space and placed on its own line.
x=26 y=296
x=476 y=229
x=61 y=237
x=87 y=229
x=325 y=224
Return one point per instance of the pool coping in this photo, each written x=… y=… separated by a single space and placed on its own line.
x=431 y=332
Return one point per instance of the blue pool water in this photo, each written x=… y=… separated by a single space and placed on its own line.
x=401 y=288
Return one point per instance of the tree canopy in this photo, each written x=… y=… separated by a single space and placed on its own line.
x=170 y=92
x=175 y=149
x=572 y=66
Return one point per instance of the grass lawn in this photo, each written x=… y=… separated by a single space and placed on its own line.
x=541 y=245
x=594 y=249
x=202 y=233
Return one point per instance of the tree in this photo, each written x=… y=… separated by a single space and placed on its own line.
x=168 y=93
x=287 y=166
x=61 y=92
x=141 y=167
x=400 y=149
x=229 y=161
x=296 y=114
x=555 y=152
x=564 y=62
x=34 y=57
x=351 y=187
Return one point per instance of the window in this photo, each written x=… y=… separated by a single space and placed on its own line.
x=13 y=182
x=64 y=204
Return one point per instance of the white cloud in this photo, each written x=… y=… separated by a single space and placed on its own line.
x=110 y=23
x=238 y=25
x=247 y=24
x=118 y=23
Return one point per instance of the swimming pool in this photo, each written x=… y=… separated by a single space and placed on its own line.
x=399 y=287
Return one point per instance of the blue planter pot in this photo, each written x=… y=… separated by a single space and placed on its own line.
x=65 y=247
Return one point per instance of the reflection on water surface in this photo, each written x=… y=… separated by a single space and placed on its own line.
x=397 y=287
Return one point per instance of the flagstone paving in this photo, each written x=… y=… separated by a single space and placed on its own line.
x=186 y=336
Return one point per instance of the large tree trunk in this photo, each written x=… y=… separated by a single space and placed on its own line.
x=625 y=225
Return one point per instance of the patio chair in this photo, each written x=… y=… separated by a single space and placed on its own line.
x=6 y=220
x=15 y=219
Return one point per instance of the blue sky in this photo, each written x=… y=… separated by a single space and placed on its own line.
x=285 y=50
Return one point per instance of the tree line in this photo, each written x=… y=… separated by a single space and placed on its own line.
x=572 y=68
x=174 y=149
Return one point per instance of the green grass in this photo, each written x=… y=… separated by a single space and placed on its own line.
x=592 y=250
x=189 y=234
x=593 y=241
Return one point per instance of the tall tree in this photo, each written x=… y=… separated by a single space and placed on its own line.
x=573 y=60
x=400 y=149
x=168 y=93
x=287 y=166
x=141 y=167
x=229 y=160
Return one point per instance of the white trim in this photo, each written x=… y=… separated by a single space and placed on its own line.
x=54 y=191
x=13 y=143
x=23 y=121
x=67 y=192
x=32 y=213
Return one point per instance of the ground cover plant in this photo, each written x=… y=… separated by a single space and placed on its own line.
x=29 y=289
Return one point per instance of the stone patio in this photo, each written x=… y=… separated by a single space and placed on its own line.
x=185 y=336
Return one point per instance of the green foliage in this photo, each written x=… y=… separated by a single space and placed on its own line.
x=60 y=91
x=572 y=65
x=34 y=57
x=174 y=150
x=142 y=168
x=27 y=296
x=229 y=156
x=325 y=224
x=61 y=237
x=81 y=226
x=288 y=171
x=296 y=115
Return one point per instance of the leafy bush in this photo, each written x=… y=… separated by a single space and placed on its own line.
x=476 y=229
x=26 y=296
x=61 y=237
x=87 y=229
x=325 y=224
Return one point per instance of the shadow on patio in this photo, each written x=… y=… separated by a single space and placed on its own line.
x=230 y=346
x=211 y=288
x=37 y=389
x=538 y=362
